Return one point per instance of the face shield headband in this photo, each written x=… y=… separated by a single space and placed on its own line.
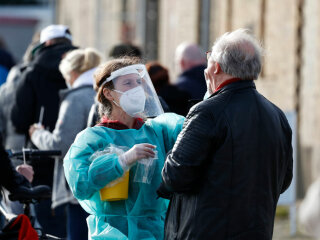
x=127 y=70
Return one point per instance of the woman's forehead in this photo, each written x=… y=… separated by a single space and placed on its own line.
x=131 y=76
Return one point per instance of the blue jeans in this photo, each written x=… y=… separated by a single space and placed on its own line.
x=76 y=224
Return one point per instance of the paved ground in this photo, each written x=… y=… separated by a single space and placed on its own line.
x=282 y=231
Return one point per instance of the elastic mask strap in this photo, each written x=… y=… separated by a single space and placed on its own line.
x=116 y=103
x=117 y=91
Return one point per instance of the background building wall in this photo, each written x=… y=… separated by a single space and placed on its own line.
x=92 y=23
x=310 y=94
x=178 y=23
x=18 y=24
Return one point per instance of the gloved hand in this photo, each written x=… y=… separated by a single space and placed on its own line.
x=137 y=152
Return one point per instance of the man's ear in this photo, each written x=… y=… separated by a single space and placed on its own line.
x=183 y=64
x=107 y=94
x=217 y=68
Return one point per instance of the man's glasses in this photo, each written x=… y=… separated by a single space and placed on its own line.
x=208 y=54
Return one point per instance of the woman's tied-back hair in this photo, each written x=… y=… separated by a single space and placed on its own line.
x=102 y=73
x=80 y=61
x=239 y=54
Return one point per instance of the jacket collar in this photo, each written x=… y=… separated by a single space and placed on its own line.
x=49 y=57
x=85 y=78
x=63 y=93
x=234 y=86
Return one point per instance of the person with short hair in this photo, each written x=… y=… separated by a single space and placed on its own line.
x=130 y=142
x=190 y=61
x=125 y=50
x=233 y=157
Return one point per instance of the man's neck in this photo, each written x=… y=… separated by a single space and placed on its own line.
x=224 y=80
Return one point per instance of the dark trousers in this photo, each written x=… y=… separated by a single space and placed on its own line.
x=53 y=222
x=77 y=224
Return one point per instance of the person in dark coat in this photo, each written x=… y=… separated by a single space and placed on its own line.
x=233 y=157
x=10 y=179
x=191 y=62
x=39 y=88
x=11 y=139
x=176 y=99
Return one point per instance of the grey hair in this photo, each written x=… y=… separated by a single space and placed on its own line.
x=239 y=54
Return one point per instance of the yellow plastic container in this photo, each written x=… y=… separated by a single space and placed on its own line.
x=116 y=192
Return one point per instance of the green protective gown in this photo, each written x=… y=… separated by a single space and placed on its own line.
x=142 y=215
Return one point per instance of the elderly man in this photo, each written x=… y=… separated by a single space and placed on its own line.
x=233 y=157
x=191 y=62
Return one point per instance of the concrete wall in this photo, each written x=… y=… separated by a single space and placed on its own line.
x=310 y=94
x=178 y=23
x=276 y=31
x=93 y=23
x=19 y=23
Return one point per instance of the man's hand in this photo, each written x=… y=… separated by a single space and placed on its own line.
x=34 y=127
x=26 y=171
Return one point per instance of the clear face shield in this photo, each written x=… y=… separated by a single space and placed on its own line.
x=136 y=94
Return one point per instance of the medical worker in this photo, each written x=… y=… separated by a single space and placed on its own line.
x=133 y=137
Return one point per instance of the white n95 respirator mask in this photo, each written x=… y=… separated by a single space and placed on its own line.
x=132 y=101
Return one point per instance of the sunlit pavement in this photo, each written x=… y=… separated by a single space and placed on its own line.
x=282 y=231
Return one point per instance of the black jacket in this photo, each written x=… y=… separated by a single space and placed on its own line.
x=228 y=167
x=39 y=86
x=176 y=99
x=193 y=82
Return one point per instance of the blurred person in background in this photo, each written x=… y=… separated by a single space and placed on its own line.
x=123 y=141
x=176 y=99
x=233 y=158
x=77 y=67
x=11 y=139
x=10 y=179
x=125 y=50
x=191 y=62
x=39 y=89
x=6 y=61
